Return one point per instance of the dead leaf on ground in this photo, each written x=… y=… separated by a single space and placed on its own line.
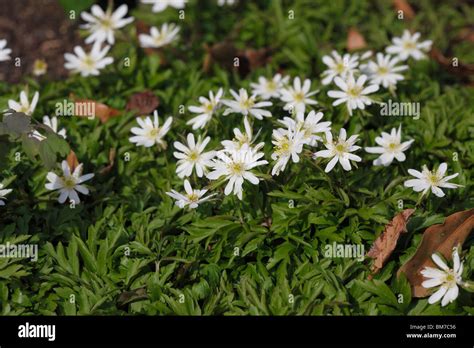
x=227 y=55
x=108 y=167
x=387 y=241
x=462 y=69
x=437 y=238
x=355 y=40
x=143 y=103
x=405 y=7
x=102 y=111
x=72 y=161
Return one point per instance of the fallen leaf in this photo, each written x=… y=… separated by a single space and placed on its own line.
x=143 y=103
x=229 y=57
x=387 y=241
x=102 y=111
x=128 y=297
x=437 y=238
x=355 y=40
x=405 y=7
x=462 y=70
x=72 y=160
x=108 y=167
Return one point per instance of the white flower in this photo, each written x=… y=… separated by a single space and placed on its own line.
x=236 y=166
x=39 y=67
x=297 y=97
x=240 y=138
x=51 y=123
x=159 y=37
x=246 y=105
x=206 y=110
x=192 y=198
x=24 y=105
x=161 y=5
x=339 y=66
x=408 y=46
x=3 y=193
x=340 y=150
x=226 y=2
x=269 y=88
x=287 y=144
x=309 y=127
x=434 y=180
x=150 y=133
x=88 y=63
x=192 y=156
x=391 y=147
x=384 y=72
x=68 y=183
x=4 y=52
x=352 y=92
x=446 y=278
x=102 y=24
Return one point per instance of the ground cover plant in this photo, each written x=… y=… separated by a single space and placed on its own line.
x=242 y=158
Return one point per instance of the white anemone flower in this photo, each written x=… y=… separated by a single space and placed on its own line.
x=102 y=25
x=150 y=133
x=159 y=37
x=241 y=138
x=445 y=278
x=340 y=150
x=4 y=52
x=245 y=105
x=391 y=147
x=434 y=180
x=269 y=88
x=88 y=64
x=298 y=96
x=53 y=124
x=161 y=5
x=384 y=71
x=192 y=198
x=310 y=126
x=192 y=156
x=288 y=144
x=3 y=193
x=24 y=105
x=408 y=46
x=339 y=66
x=236 y=166
x=68 y=184
x=206 y=110
x=353 y=92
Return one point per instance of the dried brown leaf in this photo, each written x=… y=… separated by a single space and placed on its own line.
x=405 y=7
x=72 y=160
x=355 y=40
x=143 y=103
x=387 y=241
x=437 y=238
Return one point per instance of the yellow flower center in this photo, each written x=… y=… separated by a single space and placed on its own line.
x=153 y=132
x=299 y=97
x=89 y=62
x=271 y=85
x=409 y=45
x=247 y=104
x=236 y=168
x=382 y=70
x=340 y=68
x=193 y=197
x=193 y=156
x=69 y=182
x=354 y=92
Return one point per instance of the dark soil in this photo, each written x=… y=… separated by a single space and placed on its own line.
x=36 y=29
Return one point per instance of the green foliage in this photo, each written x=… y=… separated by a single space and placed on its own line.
x=129 y=250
